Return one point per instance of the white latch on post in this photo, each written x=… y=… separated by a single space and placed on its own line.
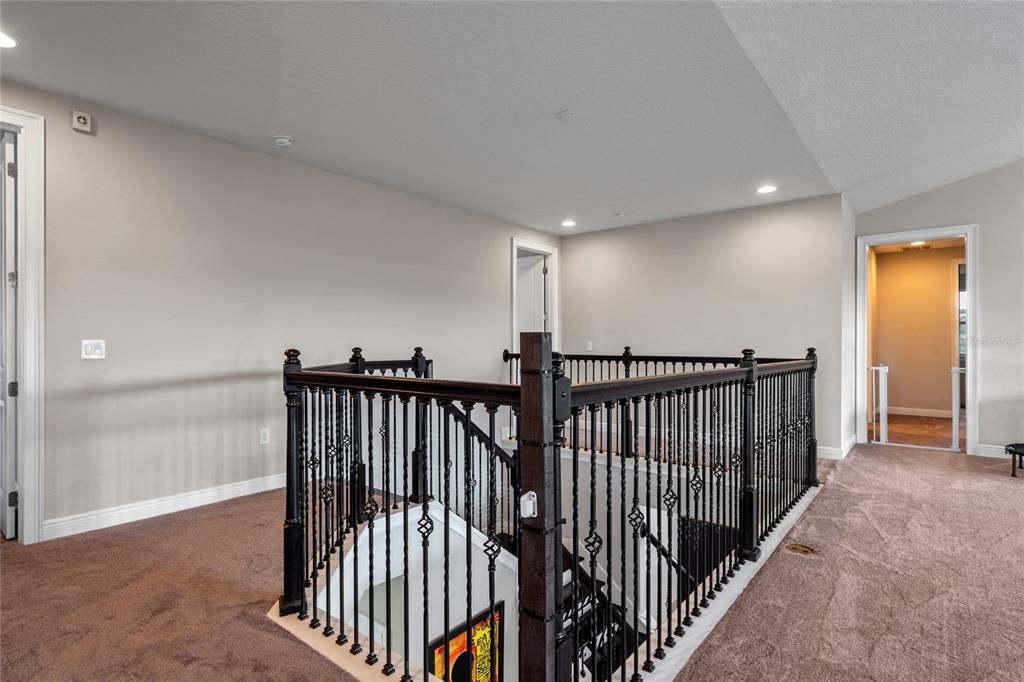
x=528 y=505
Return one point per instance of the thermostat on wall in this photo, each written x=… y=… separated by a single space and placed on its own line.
x=94 y=349
x=81 y=121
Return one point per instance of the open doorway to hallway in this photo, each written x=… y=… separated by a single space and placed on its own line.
x=917 y=313
x=534 y=290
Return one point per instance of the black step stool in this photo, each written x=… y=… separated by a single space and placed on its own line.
x=1016 y=453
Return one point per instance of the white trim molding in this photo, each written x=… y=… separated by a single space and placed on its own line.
x=30 y=372
x=556 y=319
x=146 y=509
x=970 y=235
x=825 y=452
x=920 y=412
x=985 y=450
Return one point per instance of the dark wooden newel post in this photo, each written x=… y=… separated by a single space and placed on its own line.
x=812 y=442
x=540 y=557
x=749 y=551
x=294 y=594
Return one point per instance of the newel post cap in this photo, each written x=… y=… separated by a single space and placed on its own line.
x=291 y=357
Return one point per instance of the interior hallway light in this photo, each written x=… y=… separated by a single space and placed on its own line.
x=766 y=189
x=7 y=41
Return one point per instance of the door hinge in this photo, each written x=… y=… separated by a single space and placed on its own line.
x=545 y=269
x=12 y=169
x=12 y=498
x=12 y=389
x=12 y=278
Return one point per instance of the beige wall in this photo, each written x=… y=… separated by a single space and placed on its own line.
x=993 y=200
x=770 y=278
x=199 y=262
x=914 y=326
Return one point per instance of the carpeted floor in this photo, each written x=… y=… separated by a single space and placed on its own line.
x=918 y=575
x=178 y=597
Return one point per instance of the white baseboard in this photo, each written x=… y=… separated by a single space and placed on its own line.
x=837 y=453
x=998 y=451
x=136 y=511
x=920 y=412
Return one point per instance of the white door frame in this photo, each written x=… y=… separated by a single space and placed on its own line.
x=970 y=234
x=555 y=318
x=31 y=332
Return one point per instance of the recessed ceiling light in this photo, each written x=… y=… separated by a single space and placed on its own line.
x=7 y=41
x=766 y=189
x=568 y=222
x=620 y=214
x=283 y=140
x=917 y=243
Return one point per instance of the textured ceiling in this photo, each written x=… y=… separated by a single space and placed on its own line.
x=452 y=101
x=893 y=98
x=672 y=115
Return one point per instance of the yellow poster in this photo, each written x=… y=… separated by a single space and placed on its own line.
x=474 y=664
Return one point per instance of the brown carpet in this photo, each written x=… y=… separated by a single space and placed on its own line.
x=918 y=575
x=182 y=596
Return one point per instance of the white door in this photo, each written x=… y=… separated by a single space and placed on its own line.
x=532 y=280
x=8 y=334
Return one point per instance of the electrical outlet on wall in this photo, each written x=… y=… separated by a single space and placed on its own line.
x=590 y=345
x=264 y=436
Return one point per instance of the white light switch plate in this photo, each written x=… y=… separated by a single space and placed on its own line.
x=94 y=349
x=590 y=345
x=264 y=436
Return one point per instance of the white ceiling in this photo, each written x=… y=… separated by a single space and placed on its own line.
x=457 y=101
x=893 y=98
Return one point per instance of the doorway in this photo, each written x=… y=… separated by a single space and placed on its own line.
x=23 y=251
x=8 y=338
x=534 y=290
x=914 y=358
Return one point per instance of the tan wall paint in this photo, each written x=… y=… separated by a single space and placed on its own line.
x=770 y=278
x=993 y=200
x=200 y=262
x=913 y=330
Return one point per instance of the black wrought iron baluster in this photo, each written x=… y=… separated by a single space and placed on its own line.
x=358 y=491
x=344 y=490
x=625 y=452
x=491 y=546
x=719 y=474
x=446 y=539
x=671 y=497
x=406 y=677
x=469 y=483
x=593 y=543
x=690 y=493
x=314 y=464
x=609 y=575
x=651 y=448
x=660 y=453
x=636 y=520
x=704 y=516
x=304 y=497
x=425 y=527
x=386 y=501
x=327 y=495
x=575 y=431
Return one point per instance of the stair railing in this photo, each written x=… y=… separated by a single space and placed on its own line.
x=670 y=482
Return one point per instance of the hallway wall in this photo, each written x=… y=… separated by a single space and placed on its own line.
x=199 y=262
x=994 y=200
x=771 y=278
